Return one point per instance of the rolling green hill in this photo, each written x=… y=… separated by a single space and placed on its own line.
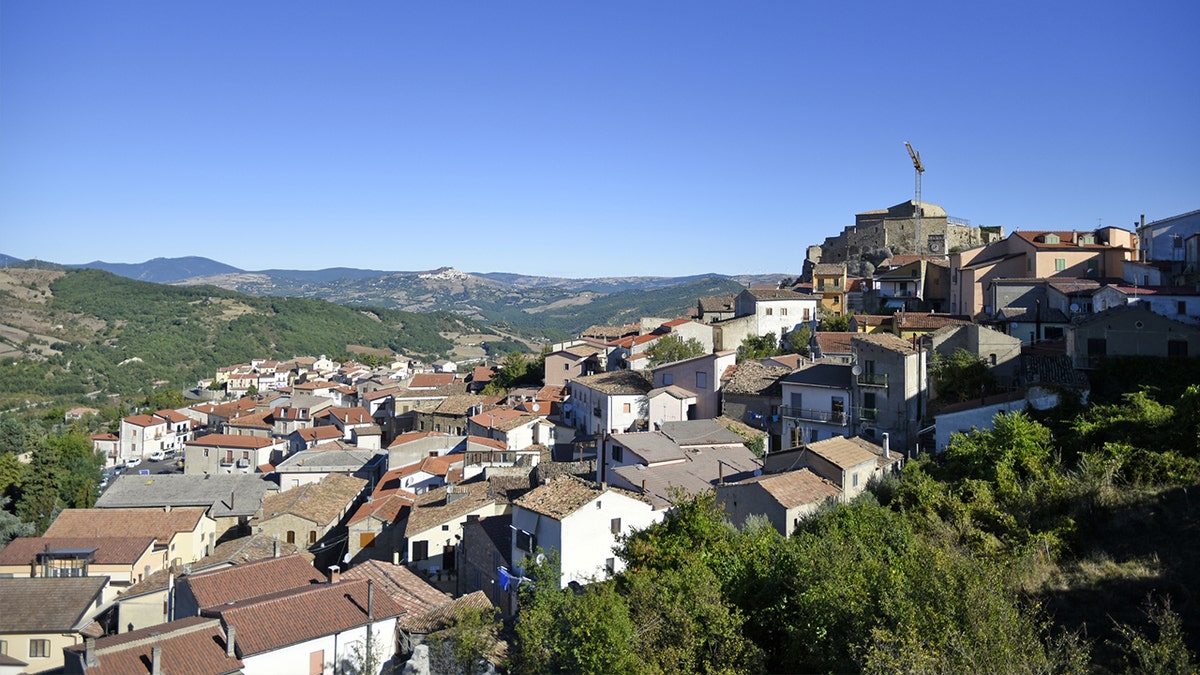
x=67 y=334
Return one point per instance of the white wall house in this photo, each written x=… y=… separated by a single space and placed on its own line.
x=580 y=521
x=606 y=401
x=701 y=376
x=816 y=403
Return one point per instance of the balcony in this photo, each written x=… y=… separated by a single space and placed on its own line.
x=823 y=416
x=868 y=414
x=873 y=379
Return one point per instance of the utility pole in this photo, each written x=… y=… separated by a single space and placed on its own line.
x=918 y=209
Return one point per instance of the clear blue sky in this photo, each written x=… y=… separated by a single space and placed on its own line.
x=577 y=138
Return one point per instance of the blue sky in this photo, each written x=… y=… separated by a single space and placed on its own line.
x=577 y=139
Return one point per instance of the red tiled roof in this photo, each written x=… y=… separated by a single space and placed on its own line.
x=144 y=420
x=386 y=507
x=109 y=550
x=195 y=645
x=160 y=524
x=321 y=433
x=251 y=580
x=172 y=415
x=414 y=436
x=430 y=380
x=231 y=441
x=356 y=415
x=294 y=616
x=415 y=595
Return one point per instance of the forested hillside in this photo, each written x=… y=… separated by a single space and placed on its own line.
x=87 y=331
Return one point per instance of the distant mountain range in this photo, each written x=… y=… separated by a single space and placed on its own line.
x=526 y=303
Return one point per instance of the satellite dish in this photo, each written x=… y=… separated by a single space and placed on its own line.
x=856 y=369
x=541 y=558
x=1074 y=308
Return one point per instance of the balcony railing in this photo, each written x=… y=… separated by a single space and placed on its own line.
x=825 y=416
x=868 y=414
x=873 y=379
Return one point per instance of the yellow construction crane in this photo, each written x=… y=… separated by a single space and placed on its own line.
x=917 y=208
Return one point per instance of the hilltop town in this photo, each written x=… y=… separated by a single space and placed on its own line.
x=297 y=506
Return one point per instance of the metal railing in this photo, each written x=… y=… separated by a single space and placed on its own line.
x=807 y=414
x=873 y=379
x=868 y=414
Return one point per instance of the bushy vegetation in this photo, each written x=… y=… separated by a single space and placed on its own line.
x=946 y=568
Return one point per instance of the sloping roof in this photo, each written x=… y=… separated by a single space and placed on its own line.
x=651 y=446
x=47 y=604
x=923 y=321
x=143 y=420
x=777 y=294
x=845 y=452
x=754 y=379
x=160 y=524
x=108 y=550
x=834 y=375
x=833 y=342
x=701 y=471
x=716 y=303
x=387 y=507
x=332 y=456
x=181 y=490
x=560 y=497
x=195 y=645
x=888 y=341
x=294 y=616
x=321 y=503
x=618 y=382
x=430 y=380
x=231 y=441
x=699 y=432
x=230 y=552
x=325 y=432
x=251 y=580
x=433 y=507
x=795 y=488
x=413 y=594
x=829 y=269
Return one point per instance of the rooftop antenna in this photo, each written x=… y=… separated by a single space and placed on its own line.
x=918 y=209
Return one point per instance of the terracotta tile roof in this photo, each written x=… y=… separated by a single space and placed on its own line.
x=430 y=380
x=355 y=415
x=792 y=361
x=845 y=452
x=404 y=439
x=321 y=503
x=610 y=332
x=322 y=433
x=487 y=442
x=47 y=604
x=483 y=374
x=432 y=508
x=888 y=341
x=716 y=303
x=172 y=415
x=443 y=616
x=250 y=580
x=459 y=404
x=829 y=269
x=795 y=488
x=618 y=382
x=834 y=343
x=413 y=594
x=231 y=552
x=752 y=378
x=562 y=496
x=314 y=385
x=258 y=420
x=232 y=441
x=109 y=550
x=388 y=508
x=920 y=321
x=378 y=393
x=872 y=319
x=776 y=294
x=294 y=616
x=157 y=523
x=552 y=393
x=195 y=645
x=143 y=420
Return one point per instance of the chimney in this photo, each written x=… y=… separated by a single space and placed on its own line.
x=370 y=600
x=643 y=486
x=156 y=660
x=230 y=642
x=887 y=445
x=335 y=574
x=720 y=473
x=276 y=555
x=231 y=494
x=89 y=652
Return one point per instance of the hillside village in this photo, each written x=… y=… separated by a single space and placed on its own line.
x=299 y=506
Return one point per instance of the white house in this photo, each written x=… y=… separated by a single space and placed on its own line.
x=581 y=521
x=701 y=376
x=607 y=401
x=816 y=403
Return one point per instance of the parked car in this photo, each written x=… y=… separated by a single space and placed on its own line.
x=134 y=461
x=158 y=456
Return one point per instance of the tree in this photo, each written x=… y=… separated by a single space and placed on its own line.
x=672 y=348
x=470 y=638
x=758 y=347
x=11 y=526
x=838 y=323
x=798 y=340
x=961 y=376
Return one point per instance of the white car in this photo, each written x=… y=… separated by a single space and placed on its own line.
x=133 y=462
x=158 y=456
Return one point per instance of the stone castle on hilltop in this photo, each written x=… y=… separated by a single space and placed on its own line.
x=877 y=235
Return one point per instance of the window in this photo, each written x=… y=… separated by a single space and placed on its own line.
x=668 y=379
x=39 y=649
x=316 y=662
x=992 y=359
x=854 y=479
x=610 y=566
x=291 y=536
x=618 y=453
x=566 y=366
x=814 y=435
x=625 y=408
x=1180 y=307
x=421 y=550
x=1051 y=239
x=837 y=281
x=770 y=311
x=1060 y=264
x=806 y=316
x=312 y=537
x=3 y=646
x=783 y=311
x=1177 y=348
x=614 y=526
x=701 y=380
